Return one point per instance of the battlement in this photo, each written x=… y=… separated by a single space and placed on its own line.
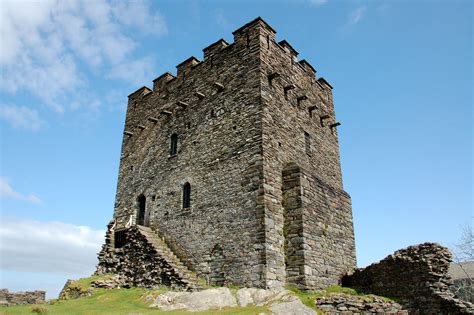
x=256 y=32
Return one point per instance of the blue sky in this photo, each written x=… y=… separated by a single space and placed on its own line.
x=402 y=73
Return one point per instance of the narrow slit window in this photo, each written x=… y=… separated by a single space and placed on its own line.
x=174 y=144
x=187 y=195
x=307 y=143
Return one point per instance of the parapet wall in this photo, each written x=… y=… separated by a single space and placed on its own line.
x=18 y=298
x=417 y=277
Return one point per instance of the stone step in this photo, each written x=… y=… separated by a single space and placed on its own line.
x=161 y=249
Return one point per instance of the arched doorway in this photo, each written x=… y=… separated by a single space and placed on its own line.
x=217 y=276
x=141 y=201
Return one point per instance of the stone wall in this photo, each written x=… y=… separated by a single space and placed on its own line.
x=18 y=298
x=417 y=277
x=214 y=108
x=299 y=128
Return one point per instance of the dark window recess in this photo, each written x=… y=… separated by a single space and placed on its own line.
x=141 y=210
x=120 y=238
x=307 y=143
x=174 y=144
x=187 y=195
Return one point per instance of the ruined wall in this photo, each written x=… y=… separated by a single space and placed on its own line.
x=18 y=298
x=214 y=107
x=143 y=262
x=417 y=277
x=299 y=127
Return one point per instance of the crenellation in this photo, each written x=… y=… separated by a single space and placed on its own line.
x=289 y=49
x=160 y=82
x=324 y=82
x=186 y=66
x=214 y=48
x=308 y=67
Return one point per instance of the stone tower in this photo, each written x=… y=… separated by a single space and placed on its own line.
x=234 y=164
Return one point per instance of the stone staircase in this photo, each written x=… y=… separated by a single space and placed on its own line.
x=187 y=277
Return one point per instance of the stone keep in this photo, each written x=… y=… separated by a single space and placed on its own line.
x=234 y=164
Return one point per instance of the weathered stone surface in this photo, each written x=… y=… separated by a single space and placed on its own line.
x=416 y=276
x=280 y=301
x=245 y=118
x=19 y=298
x=295 y=307
x=195 y=301
x=337 y=303
x=260 y=297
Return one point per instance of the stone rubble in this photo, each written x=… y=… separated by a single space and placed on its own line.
x=115 y=282
x=145 y=261
x=336 y=303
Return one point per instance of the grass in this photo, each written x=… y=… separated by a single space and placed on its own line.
x=135 y=301
x=114 y=301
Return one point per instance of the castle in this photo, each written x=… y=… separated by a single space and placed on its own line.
x=230 y=173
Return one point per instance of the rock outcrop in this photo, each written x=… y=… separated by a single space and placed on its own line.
x=278 y=301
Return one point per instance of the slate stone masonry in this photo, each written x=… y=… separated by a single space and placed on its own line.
x=417 y=277
x=245 y=118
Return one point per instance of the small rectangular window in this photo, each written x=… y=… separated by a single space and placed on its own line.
x=307 y=143
x=174 y=144
x=120 y=238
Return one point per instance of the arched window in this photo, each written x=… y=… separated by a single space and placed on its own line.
x=174 y=144
x=141 y=201
x=187 y=195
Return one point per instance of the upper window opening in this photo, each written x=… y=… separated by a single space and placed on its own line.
x=187 y=195
x=307 y=143
x=174 y=144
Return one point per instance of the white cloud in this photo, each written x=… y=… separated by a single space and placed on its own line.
x=141 y=69
x=318 y=3
x=21 y=117
x=357 y=15
x=7 y=191
x=48 y=247
x=48 y=46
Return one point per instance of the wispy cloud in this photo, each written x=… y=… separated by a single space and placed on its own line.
x=7 y=191
x=357 y=15
x=317 y=3
x=141 y=69
x=50 y=47
x=48 y=247
x=221 y=19
x=21 y=117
